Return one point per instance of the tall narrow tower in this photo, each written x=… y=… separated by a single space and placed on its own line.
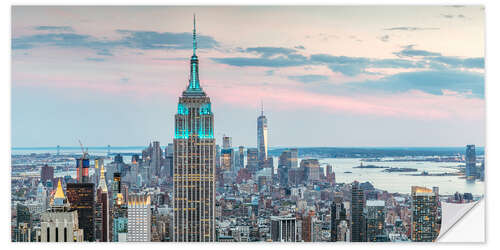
x=262 y=138
x=194 y=162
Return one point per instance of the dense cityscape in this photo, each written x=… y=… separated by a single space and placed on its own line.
x=193 y=190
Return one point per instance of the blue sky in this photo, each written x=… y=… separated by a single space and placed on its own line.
x=328 y=76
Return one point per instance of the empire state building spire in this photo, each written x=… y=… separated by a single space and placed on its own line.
x=194 y=80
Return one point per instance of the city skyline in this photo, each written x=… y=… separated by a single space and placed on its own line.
x=106 y=81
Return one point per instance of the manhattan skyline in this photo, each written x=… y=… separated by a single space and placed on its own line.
x=330 y=81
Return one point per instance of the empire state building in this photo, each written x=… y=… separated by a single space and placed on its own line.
x=194 y=162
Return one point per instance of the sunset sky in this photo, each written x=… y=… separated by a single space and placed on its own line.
x=335 y=76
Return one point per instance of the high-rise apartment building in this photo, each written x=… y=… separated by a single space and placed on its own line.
x=424 y=212
x=139 y=218
x=357 y=218
x=470 y=162
x=194 y=162
x=375 y=219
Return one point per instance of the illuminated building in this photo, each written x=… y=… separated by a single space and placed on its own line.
x=357 y=218
x=102 y=209
x=119 y=213
x=424 y=211
x=375 y=219
x=470 y=162
x=60 y=223
x=262 y=138
x=283 y=229
x=194 y=162
x=338 y=214
x=81 y=198
x=139 y=218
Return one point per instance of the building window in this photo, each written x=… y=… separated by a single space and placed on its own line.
x=48 y=234
x=57 y=234
x=65 y=235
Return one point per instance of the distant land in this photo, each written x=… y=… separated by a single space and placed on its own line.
x=326 y=152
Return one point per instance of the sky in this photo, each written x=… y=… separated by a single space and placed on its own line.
x=338 y=76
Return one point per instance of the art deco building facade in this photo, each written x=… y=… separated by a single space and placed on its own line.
x=60 y=223
x=194 y=162
x=102 y=218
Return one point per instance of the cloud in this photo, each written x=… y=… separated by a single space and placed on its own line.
x=145 y=40
x=55 y=28
x=104 y=52
x=437 y=60
x=410 y=58
x=260 y=62
x=270 y=51
x=450 y=16
x=95 y=59
x=384 y=38
x=433 y=82
x=269 y=72
x=408 y=51
x=309 y=78
x=148 y=40
x=410 y=28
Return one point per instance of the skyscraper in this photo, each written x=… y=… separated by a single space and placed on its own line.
x=226 y=154
x=82 y=169
x=338 y=214
x=357 y=218
x=262 y=138
x=102 y=209
x=139 y=218
x=241 y=158
x=470 y=162
x=47 y=173
x=252 y=160
x=424 y=212
x=60 y=223
x=156 y=159
x=81 y=198
x=375 y=219
x=194 y=162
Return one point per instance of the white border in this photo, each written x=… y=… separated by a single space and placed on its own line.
x=492 y=102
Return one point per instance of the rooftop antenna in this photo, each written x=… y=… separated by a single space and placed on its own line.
x=261 y=107
x=194 y=34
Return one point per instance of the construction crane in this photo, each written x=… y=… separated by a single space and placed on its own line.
x=84 y=152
